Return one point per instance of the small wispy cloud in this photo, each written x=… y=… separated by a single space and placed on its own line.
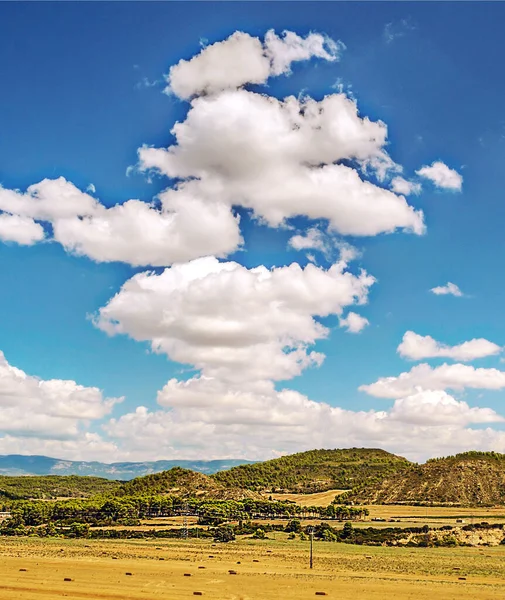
x=449 y=288
x=398 y=29
x=147 y=83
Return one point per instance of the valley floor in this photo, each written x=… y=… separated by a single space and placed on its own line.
x=32 y=569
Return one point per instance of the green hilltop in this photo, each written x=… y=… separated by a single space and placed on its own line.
x=315 y=471
x=24 y=487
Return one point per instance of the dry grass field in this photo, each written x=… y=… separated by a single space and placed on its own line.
x=32 y=569
x=317 y=499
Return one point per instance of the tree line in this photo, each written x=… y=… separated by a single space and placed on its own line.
x=128 y=510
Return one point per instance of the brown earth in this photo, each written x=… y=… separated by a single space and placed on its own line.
x=470 y=479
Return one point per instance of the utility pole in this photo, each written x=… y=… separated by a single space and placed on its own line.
x=311 y=533
x=185 y=521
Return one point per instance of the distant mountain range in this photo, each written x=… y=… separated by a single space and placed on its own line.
x=16 y=464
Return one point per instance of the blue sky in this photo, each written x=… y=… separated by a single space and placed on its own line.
x=83 y=91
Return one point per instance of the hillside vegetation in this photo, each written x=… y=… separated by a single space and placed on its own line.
x=468 y=479
x=54 y=486
x=315 y=471
x=180 y=482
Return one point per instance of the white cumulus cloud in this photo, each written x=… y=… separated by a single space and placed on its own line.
x=449 y=288
x=425 y=377
x=231 y=322
x=354 y=323
x=55 y=408
x=242 y=59
x=419 y=347
x=20 y=230
x=277 y=157
x=399 y=185
x=222 y=419
x=442 y=176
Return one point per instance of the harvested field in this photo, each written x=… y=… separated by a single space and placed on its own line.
x=317 y=499
x=268 y=570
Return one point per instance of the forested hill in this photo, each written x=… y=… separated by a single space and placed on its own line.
x=468 y=479
x=181 y=482
x=371 y=477
x=54 y=486
x=315 y=470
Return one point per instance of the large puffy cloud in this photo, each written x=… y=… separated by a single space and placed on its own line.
x=454 y=377
x=233 y=322
x=278 y=158
x=442 y=176
x=242 y=59
x=439 y=408
x=53 y=408
x=418 y=347
x=185 y=227
x=206 y=415
x=141 y=234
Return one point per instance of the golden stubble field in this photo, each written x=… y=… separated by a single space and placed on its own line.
x=265 y=570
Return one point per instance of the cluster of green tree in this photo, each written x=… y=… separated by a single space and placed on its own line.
x=103 y=510
x=389 y=536
x=470 y=455
x=54 y=486
x=315 y=470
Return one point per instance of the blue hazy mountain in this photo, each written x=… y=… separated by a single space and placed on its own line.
x=16 y=464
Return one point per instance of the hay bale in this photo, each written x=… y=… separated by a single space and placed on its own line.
x=231 y=572
x=23 y=570
x=201 y=567
x=462 y=578
x=128 y=573
x=211 y=556
x=187 y=574
x=255 y=560
x=67 y=579
x=321 y=594
x=161 y=558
